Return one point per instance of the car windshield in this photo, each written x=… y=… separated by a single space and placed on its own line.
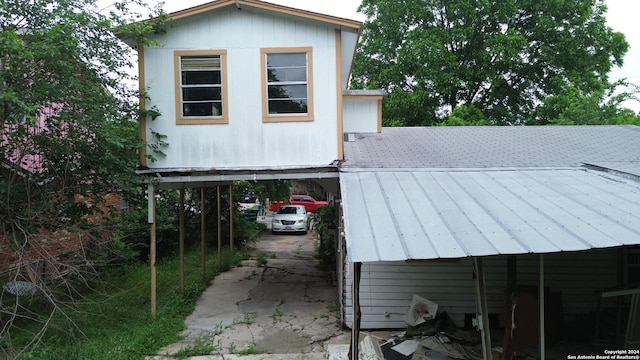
x=289 y=210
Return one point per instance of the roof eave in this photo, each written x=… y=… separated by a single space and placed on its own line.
x=215 y=5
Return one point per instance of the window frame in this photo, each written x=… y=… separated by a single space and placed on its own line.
x=199 y=120
x=266 y=117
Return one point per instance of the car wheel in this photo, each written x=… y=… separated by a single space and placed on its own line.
x=273 y=232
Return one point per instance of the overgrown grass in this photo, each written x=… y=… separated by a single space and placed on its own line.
x=113 y=320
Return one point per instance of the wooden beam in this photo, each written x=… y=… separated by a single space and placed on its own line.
x=231 y=217
x=181 y=240
x=481 y=296
x=355 y=327
x=219 y=213
x=203 y=240
x=151 y=203
x=541 y=304
x=512 y=288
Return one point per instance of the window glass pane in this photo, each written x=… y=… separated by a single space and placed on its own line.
x=287 y=74
x=201 y=77
x=202 y=109
x=286 y=60
x=287 y=106
x=287 y=91
x=201 y=93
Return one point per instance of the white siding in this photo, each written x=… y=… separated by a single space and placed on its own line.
x=360 y=116
x=386 y=288
x=245 y=141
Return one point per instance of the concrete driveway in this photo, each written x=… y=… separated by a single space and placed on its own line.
x=278 y=305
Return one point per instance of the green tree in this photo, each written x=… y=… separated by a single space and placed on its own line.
x=502 y=57
x=264 y=189
x=571 y=107
x=68 y=107
x=68 y=121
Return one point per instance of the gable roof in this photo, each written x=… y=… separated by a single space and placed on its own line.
x=266 y=6
x=428 y=193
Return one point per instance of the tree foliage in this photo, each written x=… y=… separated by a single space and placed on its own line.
x=68 y=125
x=504 y=58
x=68 y=108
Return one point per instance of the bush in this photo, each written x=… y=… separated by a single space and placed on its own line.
x=325 y=221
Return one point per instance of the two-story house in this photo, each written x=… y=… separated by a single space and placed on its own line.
x=254 y=87
x=249 y=90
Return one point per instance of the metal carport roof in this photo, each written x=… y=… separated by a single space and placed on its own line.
x=401 y=214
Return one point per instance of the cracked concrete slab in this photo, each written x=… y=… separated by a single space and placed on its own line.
x=285 y=309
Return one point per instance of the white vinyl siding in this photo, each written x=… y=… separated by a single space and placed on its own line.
x=360 y=115
x=245 y=140
x=386 y=288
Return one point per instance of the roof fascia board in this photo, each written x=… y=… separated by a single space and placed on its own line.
x=177 y=182
x=214 y=5
x=371 y=170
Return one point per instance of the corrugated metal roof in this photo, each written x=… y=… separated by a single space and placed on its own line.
x=399 y=215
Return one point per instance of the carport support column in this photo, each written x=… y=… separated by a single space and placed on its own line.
x=181 y=240
x=151 y=219
x=231 y=217
x=482 y=308
x=219 y=214
x=355 y=327
x=541 y=303
x=203 y=236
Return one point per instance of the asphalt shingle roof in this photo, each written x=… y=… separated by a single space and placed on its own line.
x=497 y=147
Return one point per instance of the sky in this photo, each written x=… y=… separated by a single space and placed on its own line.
x=621 y=16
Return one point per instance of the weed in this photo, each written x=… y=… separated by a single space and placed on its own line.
x=219 y=328
x=277 y=315
x=248 y=319
x=262 y=260
x=249 y=350
x=334 y=308
x=200 y=347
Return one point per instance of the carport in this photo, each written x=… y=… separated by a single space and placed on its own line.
x=189 y=178
x=419 y=214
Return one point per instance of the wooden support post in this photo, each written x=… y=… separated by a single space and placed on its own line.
x=541 y=303
x=355 y=327
x=203 y=236
x=512 y=288
x=151 y=219
x=181 y=240
x=482 y=308
x=231 y=217
x=219 y=213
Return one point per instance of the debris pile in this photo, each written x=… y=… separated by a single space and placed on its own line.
x=429 y=336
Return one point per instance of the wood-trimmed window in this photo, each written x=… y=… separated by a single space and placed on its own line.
x=287 y=84
x=201 y=87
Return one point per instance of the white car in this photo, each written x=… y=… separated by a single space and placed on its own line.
x=290 y=218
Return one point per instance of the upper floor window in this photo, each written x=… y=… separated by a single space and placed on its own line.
x=287 y=84
x=201 y=87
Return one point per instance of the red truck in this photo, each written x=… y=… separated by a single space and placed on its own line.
x=307 y=201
